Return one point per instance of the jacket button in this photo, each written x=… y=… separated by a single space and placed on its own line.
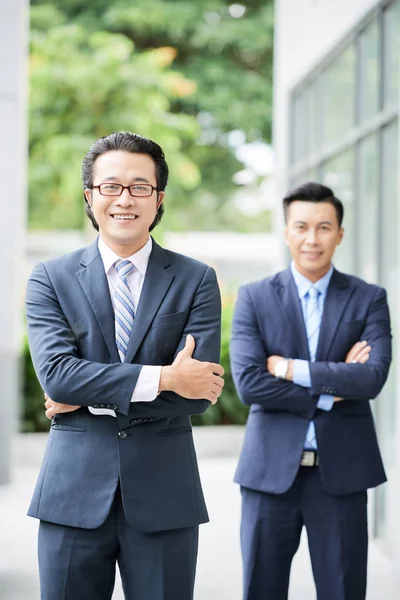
x=96 y=406
x=134 y=422
x=115 y=407
x=122 y=435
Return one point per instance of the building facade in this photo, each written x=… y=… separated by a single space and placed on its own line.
x=336 y=120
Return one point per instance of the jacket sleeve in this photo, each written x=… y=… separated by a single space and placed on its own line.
x=254 y=384
x=65 y=377
x=204 y=323
x=360 y=381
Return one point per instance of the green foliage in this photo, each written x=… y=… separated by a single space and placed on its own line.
x=228 y=410
x=33 y=416
x=183 y=72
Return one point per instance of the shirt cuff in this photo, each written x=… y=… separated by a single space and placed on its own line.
x=325 y=402
x=301 y=373
x=146 y=388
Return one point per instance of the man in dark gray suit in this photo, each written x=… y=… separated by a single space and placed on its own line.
x=112 y=330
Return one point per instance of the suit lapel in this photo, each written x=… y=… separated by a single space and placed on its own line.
x=94 y=283
x=338 y=295
x=291 y=306
x=156 y=284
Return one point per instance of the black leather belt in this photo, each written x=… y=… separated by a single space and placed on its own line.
x=309 y=458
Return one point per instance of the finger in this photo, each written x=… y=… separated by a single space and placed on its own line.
x=360 y=355
x=217 y=390
x=49 y=403
x=217 y=369
x=354 y=351
x=363 y=359
x=218 y=381
x=189 y=347
x=213 y=398
x=49 y=413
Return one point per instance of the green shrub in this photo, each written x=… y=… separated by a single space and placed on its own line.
x=229 y=410
x=32 y=417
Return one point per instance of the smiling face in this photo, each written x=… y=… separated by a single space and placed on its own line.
x=124 y=221
x=312 y=234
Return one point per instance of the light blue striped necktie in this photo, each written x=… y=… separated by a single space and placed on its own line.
x=123 y=307
x=313 y=324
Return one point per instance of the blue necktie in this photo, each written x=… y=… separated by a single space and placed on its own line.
x=123 y=307
x=313 y=324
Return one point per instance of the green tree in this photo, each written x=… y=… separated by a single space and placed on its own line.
x=217 y=80
x=84 y=85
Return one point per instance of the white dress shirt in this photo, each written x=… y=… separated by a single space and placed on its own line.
x=146 y=389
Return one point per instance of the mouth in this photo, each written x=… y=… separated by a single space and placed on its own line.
x=312 y=255
x=123 y=217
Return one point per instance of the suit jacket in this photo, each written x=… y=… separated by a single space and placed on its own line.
x=268 y=320
x=148 y=447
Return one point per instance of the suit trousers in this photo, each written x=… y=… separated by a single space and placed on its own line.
x=79 y=564
x=337 y=532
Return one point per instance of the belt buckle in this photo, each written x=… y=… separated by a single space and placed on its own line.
x=308 y=459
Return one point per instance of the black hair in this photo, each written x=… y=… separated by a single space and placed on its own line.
x=313 y=192
x=128 y=142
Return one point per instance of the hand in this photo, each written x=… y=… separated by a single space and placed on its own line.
x=359 y=353
x=191 y=378
x=272 y=362
x=55 y=408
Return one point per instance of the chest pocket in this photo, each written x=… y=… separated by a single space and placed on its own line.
x=170 y=320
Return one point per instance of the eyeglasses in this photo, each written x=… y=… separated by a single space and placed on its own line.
x=116 y=189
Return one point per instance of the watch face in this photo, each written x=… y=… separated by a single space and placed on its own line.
x=281 y=369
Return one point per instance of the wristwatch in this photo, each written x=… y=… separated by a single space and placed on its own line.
x=281 y=368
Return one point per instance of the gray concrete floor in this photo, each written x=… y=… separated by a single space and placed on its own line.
x=219 y=564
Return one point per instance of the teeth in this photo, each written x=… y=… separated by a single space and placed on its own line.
x=124 y=217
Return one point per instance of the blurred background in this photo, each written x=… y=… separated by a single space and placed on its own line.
x=247 y=99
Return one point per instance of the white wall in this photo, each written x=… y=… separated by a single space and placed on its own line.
x=13 y=85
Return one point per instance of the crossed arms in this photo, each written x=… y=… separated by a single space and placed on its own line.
x=187 y=386
x=351 y=381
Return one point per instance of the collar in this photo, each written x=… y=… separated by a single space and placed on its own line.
x=303 y=284
x=140 y=259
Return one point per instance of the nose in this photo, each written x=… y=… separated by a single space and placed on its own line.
x=125 y=199
x=312 y=237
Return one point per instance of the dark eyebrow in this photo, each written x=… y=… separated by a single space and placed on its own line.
x=321 y=223
x=116 y=179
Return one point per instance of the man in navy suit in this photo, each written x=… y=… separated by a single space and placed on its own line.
x=310 y=347
x=112 y=330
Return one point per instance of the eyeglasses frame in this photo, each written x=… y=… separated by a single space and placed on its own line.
x=126 y=187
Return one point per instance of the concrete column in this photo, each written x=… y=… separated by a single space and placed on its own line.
x=14 y=20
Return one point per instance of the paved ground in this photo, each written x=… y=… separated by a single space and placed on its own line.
x=219 y=567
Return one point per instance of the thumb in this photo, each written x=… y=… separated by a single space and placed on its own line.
x=189 y=346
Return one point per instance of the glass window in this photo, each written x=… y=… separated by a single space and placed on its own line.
x=386 y=407
x=337 y=96
x=303 y=124
x=368 y=219
x=314 y=115
x=391 y=52
x=389 y=273
x=368 y=87
x=338 y=174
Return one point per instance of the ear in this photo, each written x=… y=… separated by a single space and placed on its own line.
x=160 y=199
x=88 y=196
x=341 y=234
